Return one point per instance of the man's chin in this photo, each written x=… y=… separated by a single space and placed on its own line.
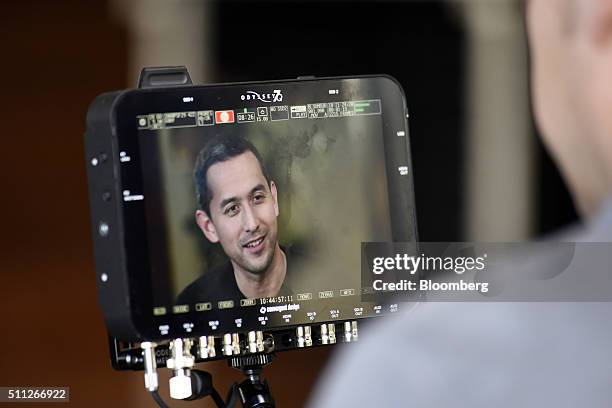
x=258 y=263
x=255 y=269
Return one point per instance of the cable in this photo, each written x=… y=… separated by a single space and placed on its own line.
x=232 y=396
x=217 y=398
x=158 y=399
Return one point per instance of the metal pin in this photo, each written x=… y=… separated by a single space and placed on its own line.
x=235 y=344
x=331 y=329
x=307 y=336
x=206 y=346
x=227 y=345
x=252 y=342
x=347 y=332
x=300 y=336
x=324 y=335
x=203 y=350
x=260 y=341
x=150 y=366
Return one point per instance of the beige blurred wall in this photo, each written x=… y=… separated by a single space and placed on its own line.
x=499 y=153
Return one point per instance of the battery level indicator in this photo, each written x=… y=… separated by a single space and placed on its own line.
x=371 y=107
x=298 y=112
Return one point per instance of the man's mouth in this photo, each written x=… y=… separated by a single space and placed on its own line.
x=255 y=245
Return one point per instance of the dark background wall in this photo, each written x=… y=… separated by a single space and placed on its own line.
x=419 y=43
x=58 y=55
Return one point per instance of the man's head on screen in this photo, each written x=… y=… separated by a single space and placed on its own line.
x=238 y=202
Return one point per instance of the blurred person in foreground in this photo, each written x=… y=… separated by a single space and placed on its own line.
x=514 y=354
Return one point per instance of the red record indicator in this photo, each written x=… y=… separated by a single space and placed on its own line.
x=225 y=116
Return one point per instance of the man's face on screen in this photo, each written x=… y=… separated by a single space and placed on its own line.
x=243 y=212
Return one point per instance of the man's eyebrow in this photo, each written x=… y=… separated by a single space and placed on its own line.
x=232 y=199
x=227 y=201
x=257 y=188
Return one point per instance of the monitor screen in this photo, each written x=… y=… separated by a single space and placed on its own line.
x=290 y=198
x=246 y=205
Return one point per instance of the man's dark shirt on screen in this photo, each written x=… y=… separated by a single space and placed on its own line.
x=220 y=284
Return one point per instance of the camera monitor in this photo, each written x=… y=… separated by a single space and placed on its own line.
x=237 y=207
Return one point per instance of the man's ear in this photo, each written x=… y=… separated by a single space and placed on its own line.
x=275 y=196
x=206 y=225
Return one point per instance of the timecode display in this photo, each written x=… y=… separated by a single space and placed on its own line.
x=276 y=299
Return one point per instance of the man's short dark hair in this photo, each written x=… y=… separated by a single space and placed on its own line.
x=219 y=149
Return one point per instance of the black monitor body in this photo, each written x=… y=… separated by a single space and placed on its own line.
x=348 y=134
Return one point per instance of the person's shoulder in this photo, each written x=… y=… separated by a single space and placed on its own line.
x=194 y=291
x=207 y=286
x=478 y=341
x=599 y=228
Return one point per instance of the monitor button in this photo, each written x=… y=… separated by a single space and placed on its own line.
x=103 y=229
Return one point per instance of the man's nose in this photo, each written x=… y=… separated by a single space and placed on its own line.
x=250 y=221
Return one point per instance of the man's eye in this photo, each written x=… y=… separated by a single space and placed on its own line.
x=232 y=210
x=258 y=198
